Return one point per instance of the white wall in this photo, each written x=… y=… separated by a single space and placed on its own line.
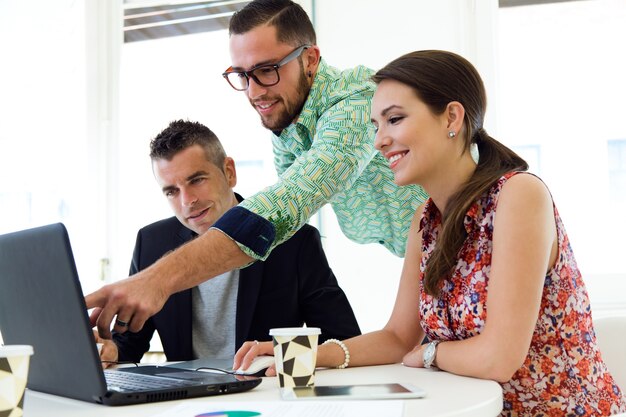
x=352 y=32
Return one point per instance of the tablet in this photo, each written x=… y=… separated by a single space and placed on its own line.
x=354 y=392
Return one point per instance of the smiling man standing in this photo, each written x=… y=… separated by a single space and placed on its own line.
x=323 y=143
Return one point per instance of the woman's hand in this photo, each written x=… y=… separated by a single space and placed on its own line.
x=415 y=358
x=250 y=350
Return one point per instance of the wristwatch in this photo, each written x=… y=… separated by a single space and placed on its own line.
x=430 y=352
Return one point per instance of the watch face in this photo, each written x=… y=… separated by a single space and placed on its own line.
x=429 y=354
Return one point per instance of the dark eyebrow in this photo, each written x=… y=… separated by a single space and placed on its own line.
x=168 y=188
x=189 y=178
x=387 y=110
x=197 y=174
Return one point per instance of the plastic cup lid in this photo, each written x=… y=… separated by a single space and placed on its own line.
x=15 y=350
x=295 y=331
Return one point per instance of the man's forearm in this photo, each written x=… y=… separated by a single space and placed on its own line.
x=205 y=257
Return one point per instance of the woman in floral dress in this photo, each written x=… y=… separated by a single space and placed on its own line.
x=489 y=275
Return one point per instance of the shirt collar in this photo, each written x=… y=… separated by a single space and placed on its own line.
x=309 y=114
x=432 y=216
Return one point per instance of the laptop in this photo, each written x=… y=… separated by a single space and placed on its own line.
x=42 y=304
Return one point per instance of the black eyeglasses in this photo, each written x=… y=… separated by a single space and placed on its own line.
x=265 y=75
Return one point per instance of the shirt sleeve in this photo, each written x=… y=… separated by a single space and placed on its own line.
x=341 y=149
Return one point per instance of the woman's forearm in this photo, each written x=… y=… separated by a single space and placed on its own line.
x=375 y=348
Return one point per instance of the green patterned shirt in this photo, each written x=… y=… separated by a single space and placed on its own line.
x=328 y=156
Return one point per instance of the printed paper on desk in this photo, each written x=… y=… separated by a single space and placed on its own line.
x=286 y=409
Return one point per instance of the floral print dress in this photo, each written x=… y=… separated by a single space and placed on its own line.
x=563 y=374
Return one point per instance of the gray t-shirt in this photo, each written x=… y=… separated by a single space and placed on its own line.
x=214 y=311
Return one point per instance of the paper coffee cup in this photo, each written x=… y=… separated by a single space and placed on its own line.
x=295 y=351
x=13 y=376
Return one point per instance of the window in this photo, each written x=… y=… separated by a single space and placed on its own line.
x=560 y=85
x=144 y=20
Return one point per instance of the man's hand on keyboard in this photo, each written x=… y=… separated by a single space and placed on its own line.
x=108 y=354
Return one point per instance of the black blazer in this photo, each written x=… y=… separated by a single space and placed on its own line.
x=295 y=285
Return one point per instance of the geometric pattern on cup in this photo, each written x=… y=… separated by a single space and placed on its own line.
x=13 y=375
x=296 y=357
x=287 y=381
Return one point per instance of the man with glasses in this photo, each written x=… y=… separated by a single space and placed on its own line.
x=323 y=143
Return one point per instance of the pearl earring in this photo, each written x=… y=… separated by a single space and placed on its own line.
x=451 y=134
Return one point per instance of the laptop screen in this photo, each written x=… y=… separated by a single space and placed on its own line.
x=42 y=304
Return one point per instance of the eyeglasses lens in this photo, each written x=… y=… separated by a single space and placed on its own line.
x=265 y=76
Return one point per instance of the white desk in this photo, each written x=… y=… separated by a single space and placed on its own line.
x=447 y=395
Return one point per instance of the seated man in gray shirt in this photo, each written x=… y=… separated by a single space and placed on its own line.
x=294 y=286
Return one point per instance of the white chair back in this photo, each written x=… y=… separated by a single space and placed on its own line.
x=611 y=334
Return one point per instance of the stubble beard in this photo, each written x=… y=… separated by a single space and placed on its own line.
x=287 y=116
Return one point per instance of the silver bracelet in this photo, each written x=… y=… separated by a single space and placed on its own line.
x=346 y=352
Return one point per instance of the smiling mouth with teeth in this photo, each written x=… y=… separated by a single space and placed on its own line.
x=265 y=107
x=396 y=157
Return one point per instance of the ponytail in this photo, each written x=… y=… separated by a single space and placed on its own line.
x=495 y=160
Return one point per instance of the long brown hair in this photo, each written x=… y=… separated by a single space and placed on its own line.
x=438 y=78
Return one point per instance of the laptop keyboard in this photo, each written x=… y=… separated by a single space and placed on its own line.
x=126 y=381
